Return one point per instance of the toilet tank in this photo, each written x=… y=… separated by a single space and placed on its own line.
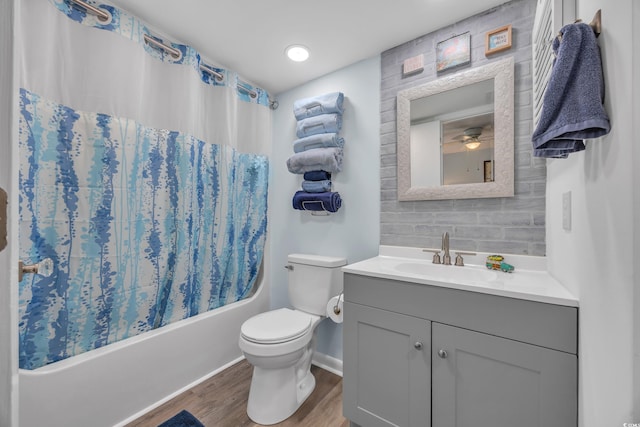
x=313 y=280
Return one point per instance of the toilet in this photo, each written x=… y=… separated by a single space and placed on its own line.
x=280 y=343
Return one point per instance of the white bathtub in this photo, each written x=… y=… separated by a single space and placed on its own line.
x=115 y=384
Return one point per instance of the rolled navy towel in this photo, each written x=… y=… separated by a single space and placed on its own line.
x=328 y=201
x=327 y=159
x=316 y=176
x=316 y=186
x=324 y=123
x=316 y=105
x=321 y=140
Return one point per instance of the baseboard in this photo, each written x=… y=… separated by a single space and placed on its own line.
x=328 y=363
x=176 y=393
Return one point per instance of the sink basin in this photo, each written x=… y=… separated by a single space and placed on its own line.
x=447 y=273
x=530 y=281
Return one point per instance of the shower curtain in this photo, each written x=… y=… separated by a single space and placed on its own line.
x=143 y=178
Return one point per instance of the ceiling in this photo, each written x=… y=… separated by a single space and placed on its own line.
x=250 y=36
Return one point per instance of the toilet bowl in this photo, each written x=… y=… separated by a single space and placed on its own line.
x=281 y=379
x=280 y=343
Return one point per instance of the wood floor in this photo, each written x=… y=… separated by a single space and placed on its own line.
x=221 y=401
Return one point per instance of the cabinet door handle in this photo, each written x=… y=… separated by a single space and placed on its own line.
x=418 y=345
x=442 y=354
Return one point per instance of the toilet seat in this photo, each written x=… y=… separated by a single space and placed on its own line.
x=276 y=326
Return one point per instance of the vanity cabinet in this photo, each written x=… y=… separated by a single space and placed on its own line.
x=420 y=355
x=388 y=378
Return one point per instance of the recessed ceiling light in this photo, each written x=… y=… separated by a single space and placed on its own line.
x=297 y=53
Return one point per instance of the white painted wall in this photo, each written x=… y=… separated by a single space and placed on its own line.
x=636 y=207
x=595 y=259
x=425 y=149
x=8 y=279
x=354 y=231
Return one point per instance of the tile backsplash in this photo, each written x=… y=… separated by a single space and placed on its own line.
x=507 y=225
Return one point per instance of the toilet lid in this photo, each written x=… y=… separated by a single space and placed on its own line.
x=276 y=326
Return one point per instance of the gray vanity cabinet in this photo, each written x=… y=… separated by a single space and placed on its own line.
x=419 y=355
x=483 y=380
x=388 y=378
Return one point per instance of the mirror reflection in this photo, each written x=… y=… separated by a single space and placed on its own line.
x=455 y=135
x=452 y=133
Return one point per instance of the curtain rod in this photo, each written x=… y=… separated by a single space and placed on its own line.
x=175 y=53
x=101 y=14
x=207 y=69
x=245 y=89
x=219 y=77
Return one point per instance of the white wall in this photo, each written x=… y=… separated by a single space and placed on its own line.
x=352 y=232
x=8 y=293
x=595 y=259
x=421 y=151
x=636 y=207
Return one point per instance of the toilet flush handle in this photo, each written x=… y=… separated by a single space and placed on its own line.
x=289 y=267
x=44 y=268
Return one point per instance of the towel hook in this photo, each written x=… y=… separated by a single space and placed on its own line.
x=595 y=24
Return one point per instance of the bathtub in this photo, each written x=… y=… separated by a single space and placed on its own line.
x=115 y=384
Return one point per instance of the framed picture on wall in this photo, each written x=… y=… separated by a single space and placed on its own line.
x=453 y=52
x=498 y=40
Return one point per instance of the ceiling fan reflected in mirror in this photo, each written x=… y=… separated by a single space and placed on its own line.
x=471 y=138
x=468 y=134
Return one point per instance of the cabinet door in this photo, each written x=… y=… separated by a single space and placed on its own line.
x=487 y=381
x=387 y=373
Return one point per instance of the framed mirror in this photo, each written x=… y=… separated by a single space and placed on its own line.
x=455 y=135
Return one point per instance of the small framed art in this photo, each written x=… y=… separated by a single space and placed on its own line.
x=453 y=52
x=498 y=40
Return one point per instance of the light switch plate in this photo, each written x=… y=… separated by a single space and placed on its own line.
x=566 y=210
x=3 y=219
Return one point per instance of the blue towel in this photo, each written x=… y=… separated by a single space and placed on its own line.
x=324 y=123
x=316 y=186
x=321 y=140
x=572 y=107
x=316 y=176
x=328 y=201
x=326 y=159
x=321 y=104
x=182 y=419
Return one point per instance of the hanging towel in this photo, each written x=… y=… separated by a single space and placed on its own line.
x=327 y=159
x=316 y=186
x=321 y=104
x=324 y=123
x=329 y=201
x=572 y=107
x=321 y=140
x=316 y=176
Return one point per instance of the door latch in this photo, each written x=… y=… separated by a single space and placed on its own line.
x=3 y=219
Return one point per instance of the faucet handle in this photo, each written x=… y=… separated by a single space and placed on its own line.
x=436 y=255
x=459 y=260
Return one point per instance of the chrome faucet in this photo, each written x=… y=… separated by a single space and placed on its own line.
x=446 y=258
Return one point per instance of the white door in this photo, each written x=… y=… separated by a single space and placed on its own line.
x=8 y=276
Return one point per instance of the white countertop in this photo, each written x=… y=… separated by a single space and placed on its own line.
x=529 y=281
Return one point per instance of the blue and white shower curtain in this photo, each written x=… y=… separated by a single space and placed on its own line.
x=145 y=225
